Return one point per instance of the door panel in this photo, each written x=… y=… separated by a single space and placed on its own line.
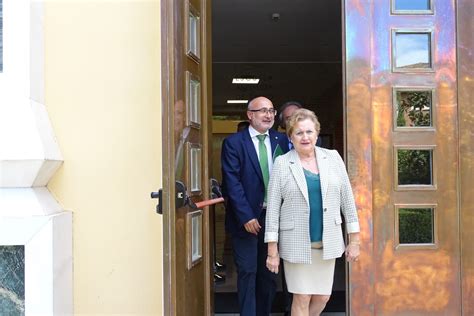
x=465 y=22
x=187 y=265
x=402 y=62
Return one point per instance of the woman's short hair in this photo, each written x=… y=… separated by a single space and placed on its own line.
x=301 y=115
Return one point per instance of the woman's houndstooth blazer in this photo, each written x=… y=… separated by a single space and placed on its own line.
x=287 y=218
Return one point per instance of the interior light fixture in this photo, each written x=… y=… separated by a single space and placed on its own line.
x=237 y=101
x=245 y=81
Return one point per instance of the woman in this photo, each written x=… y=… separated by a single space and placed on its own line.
x=308 y=188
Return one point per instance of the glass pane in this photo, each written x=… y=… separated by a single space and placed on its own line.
x=412 y=50
x=12 y=280
x=410 y=5
x=194 y=101
x=414 y=167
x=1 y=35
x=195 y=169
x=193 y=34
x=413 y=108
x=415 y=226
x=196 y=237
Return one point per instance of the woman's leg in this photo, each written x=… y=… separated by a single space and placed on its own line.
x=318 y=302
x=300 y=305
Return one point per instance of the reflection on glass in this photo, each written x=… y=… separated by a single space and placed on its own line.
x=195 y=168
x=193 y=34
x=1 y=35
x=196 y=228
x=413 y=108
x=414 y=167
x=194 y=101
x=412 y=5
x=412 y=50
x=415 y=226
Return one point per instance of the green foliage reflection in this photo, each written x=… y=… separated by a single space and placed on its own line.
x=415 y=225
x=414 y=108
x=414 y=167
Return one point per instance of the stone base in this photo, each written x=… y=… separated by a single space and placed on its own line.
x=47 y=242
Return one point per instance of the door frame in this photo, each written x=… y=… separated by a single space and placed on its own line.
x=169 y=36
x=357 y=102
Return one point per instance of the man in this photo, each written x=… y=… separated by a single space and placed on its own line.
x=247 y=159
x=242 y=125
x=286 y=110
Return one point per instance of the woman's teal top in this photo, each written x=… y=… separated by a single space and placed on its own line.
x=315 y=205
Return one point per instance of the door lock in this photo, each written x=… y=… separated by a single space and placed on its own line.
x=182 y=199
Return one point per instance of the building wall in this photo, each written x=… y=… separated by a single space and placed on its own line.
x=102 y=91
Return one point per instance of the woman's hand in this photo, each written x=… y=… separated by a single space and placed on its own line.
x=352 y=251
x=273 y=262
x=273 y=258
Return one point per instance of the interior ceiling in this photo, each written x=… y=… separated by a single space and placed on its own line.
x=297 y=56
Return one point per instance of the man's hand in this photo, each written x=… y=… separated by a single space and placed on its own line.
x=252 y=226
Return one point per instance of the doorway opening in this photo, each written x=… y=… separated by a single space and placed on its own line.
x=295 y=51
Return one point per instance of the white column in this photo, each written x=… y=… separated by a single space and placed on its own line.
x=29 y=157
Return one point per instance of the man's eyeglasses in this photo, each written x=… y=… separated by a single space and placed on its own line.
x=265 y=111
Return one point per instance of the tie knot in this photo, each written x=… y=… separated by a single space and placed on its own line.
x=261 y=137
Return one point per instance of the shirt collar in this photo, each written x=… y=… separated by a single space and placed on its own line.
x=253 y=132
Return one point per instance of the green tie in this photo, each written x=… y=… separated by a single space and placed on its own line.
x=263 y=159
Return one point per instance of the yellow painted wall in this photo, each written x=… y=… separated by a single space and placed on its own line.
x=102 y=74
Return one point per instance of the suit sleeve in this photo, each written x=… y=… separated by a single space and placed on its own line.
x=274 y=198
x=234 y=191
x=348 y=206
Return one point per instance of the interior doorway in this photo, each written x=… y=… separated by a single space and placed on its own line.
x=295 y=51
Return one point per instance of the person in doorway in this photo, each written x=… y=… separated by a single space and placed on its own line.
x=247 y=159
x=308 y=189
x=286 y=110
x=242 y=125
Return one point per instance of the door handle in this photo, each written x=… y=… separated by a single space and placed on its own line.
x=216 y=195
x=182 y=199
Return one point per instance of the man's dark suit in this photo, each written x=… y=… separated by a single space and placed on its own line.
x=244 y=190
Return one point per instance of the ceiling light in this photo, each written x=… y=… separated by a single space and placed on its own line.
x=245 y=81
x=237 y=101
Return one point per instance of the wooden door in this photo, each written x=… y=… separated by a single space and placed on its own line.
x=402 y=140
x=186 y=107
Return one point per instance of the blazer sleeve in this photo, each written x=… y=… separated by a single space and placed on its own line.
x=233 y=188
x=348 y=206
x=274 y=198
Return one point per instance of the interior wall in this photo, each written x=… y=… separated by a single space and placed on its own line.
x=103 y=97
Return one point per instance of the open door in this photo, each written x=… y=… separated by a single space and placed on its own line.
x=402 y=127
x=187 y=252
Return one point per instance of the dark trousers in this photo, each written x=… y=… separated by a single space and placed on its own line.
x=256 y=285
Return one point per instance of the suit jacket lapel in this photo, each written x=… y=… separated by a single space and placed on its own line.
x=273 y=140
x=297 y=171
x=323 y=166
x=250 y=149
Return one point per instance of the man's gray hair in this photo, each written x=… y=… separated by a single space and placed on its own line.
x=284 y=106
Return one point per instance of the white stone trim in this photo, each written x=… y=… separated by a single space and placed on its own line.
x=29 y=157
x=48 y=260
